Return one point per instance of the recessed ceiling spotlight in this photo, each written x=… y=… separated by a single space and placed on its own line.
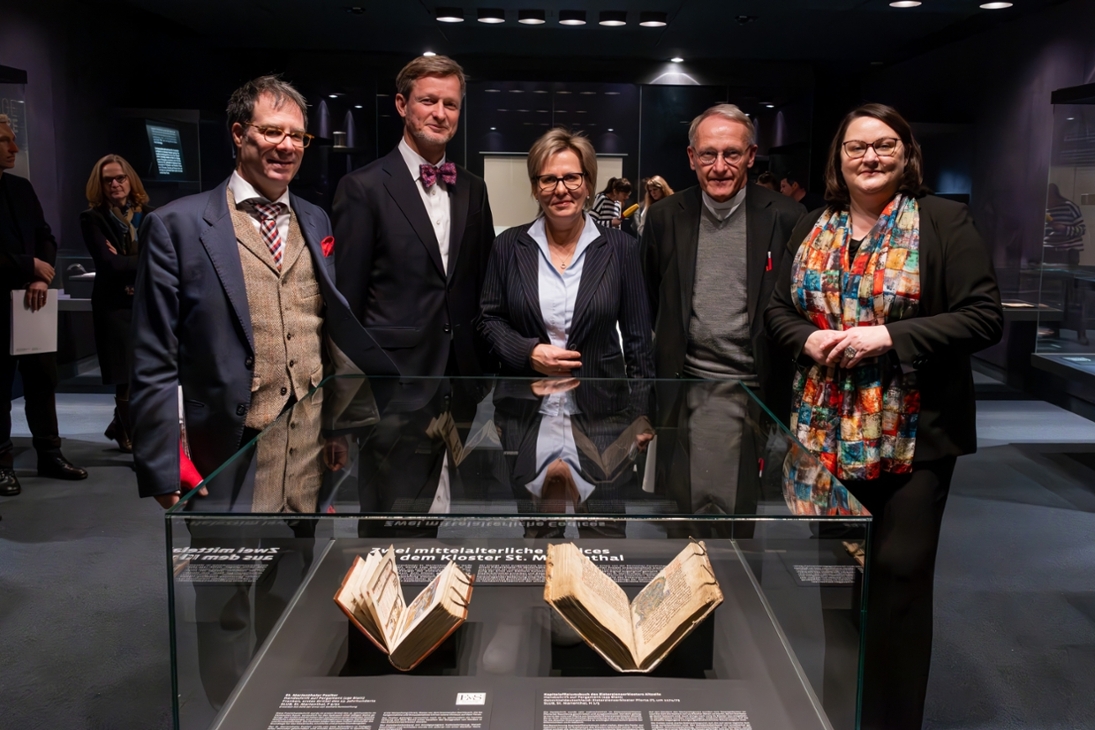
x=428 y=53
x=588 y=93
x=543 y=111
x=564 y=91
x=580 y=111
x=332 y=96
x=540 y=91
x=769 y=106
x=492 y=91
x=652 y=19
x=611 y=93
x=572 y=17
x=1070 y=119
x=994 y=6
x=503 y=110
x=516 y=91
x=531 y=17
x=677 y=59
x=522 y=111
x=493 y=128
x=384 y=95
x=450 y=15
x=613 y=18
x=359 y=106
x=610 y=129
x=905 y=4
x=492 y=15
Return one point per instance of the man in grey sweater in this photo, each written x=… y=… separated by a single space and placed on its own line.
x=710 y=257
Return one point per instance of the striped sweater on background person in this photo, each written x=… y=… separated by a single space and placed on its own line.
x=1068 y=215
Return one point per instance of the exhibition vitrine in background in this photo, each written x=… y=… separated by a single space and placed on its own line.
x=495 y=475
x=1066 y=300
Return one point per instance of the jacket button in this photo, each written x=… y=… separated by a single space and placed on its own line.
x=446 y=329
x=284 y=391
x=289 y=336
x=241 y=409
x=292 y=363
x=249 y=363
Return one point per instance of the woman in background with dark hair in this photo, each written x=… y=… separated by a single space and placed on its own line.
x=887 y=293
x=117 y=203
x=608 y=205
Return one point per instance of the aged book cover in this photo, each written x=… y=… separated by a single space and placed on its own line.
x=635 y=636
x=372 y=597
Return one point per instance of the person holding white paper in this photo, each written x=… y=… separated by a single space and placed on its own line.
x=28 y=251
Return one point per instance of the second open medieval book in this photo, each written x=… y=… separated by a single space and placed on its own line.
x=372 y=597
x=632 y=636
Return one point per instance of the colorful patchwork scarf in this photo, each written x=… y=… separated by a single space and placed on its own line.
x=860 y=421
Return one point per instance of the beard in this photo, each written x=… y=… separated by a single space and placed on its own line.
x=423 y=136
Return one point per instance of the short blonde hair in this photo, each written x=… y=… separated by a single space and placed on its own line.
x=94 y=189
x=423 y=66
x=561 y=139
x=727 y=111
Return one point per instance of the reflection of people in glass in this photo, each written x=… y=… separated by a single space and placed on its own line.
x=1064 y=237
x=117 y=202
x=572 y=447
x=556 y=288
x=887 y=293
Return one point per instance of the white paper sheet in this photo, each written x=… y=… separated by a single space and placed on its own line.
x=33 y=332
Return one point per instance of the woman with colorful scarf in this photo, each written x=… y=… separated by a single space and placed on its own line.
x=885 y=296
x=118 y=203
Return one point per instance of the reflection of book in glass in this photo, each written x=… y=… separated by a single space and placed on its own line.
x=372 y=597
x=635 y=636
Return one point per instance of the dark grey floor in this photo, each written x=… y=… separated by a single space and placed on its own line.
x=83 y=617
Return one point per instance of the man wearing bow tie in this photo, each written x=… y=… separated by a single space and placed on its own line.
x=235 y=302
x=414 y=234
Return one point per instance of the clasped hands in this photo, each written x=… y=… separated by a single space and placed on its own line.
x=552 y=360
x=847 y=348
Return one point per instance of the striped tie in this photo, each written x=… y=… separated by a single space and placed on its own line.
x=268 y=222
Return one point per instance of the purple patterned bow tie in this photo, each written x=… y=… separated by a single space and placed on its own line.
x=429 y=174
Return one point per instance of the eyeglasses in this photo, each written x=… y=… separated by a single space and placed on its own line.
x=731 y=157
x=885 y=147
x=116 y=179
x=275 y=135
x=570 y=181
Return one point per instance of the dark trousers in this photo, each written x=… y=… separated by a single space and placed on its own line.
x=39 y=386
x=907 y=511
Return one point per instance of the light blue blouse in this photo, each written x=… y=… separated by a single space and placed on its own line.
x=559 y=289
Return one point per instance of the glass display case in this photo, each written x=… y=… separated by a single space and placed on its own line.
x=1066 y=297
x=488 y=473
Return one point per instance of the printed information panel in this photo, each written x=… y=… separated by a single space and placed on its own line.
x=680 y=709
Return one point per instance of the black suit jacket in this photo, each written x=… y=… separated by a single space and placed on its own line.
x=611 y=291
x=959 y=314
x=114 y=272
x=389 y=266
x=34 y=234
x=670 y=240
x=192 y=327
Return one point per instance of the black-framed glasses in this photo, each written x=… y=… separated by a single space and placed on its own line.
x=885 y=147
x=274 y=135
x=731 y=157
x=570 y=181
x=116 y=179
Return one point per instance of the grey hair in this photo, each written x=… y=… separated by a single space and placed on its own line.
x=241 y=105
x=726 y=111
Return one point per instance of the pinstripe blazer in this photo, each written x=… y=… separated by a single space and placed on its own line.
x=612 y=290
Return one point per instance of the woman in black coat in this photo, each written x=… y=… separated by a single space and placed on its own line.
x=117 y=203
x=556 y=288
x=887 y=293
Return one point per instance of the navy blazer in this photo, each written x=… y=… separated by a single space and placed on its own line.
x=192 y=327
x=390 y=268
x=611 y=290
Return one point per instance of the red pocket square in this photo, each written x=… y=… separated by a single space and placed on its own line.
x=328 y=245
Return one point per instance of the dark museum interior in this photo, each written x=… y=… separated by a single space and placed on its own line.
x=1000 y=96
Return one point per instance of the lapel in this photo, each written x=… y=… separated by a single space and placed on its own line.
x=597 y=257
x=459 y=200
x=527 y=256
x=404 y=191
x=686 y=231
x=252 y=240
x=758 y=234
x=308 y=231
x=219 y=240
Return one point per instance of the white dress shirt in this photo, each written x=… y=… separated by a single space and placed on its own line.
x=725 y=209
x=244 y=192
x=436 y=199
x=559 y=289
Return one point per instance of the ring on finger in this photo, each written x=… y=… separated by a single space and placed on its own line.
x=850 y=352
